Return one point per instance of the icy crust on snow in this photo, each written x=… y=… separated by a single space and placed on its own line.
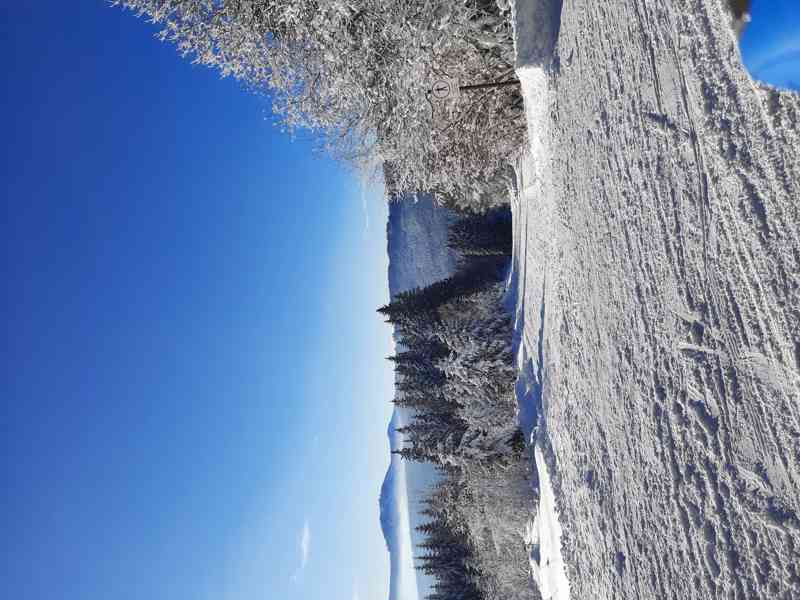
x=658 y=288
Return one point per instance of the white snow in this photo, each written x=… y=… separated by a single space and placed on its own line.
x=535 y=244
x=534 y=89
x=550 y=572
x=655 y=269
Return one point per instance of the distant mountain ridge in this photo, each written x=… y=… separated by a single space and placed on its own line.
x=391 y=509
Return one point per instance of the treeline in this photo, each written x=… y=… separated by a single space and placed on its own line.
x=455 y=372
x=359 y=74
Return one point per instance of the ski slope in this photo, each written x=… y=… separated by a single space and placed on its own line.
x=657 y=272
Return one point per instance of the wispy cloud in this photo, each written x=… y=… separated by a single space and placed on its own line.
x=305 y=544
x=356 y=595
x=364 y=208
x=305 y=548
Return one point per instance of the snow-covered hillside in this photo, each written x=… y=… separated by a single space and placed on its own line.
x=417 y=243
x=657 y=265
x=418 y=256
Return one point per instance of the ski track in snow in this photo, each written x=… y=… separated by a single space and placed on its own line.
x=657 y=271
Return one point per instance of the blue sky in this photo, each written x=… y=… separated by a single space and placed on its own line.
x=193 y=368
x=771 y=42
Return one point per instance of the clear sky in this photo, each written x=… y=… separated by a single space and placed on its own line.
x=771 y=42
x=192 y=368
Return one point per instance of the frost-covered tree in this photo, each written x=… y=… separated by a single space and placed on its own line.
x=458 y=372
x=479 y=374
x=418 y=309
x=482 y=234
x=457 y=375
x=359 y=73
x=473 y=537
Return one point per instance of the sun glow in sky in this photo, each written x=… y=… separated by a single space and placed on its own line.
x=194 y=390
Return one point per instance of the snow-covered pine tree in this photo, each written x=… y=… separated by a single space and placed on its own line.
x=417 y=308
x=487 y=234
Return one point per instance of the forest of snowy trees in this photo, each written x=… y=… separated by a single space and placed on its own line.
x=359 y=75
x=455 y=370
x=650 y=116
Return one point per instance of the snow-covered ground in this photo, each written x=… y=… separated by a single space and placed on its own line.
x=548 y=566
x=657 y=271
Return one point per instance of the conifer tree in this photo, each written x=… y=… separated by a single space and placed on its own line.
x=421 y=304
x=456 y=375
x=487 y=234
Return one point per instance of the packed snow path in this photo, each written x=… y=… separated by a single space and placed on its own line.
x=659 y=223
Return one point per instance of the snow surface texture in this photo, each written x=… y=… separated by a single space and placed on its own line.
x=547 y=565
x=657 y=265
x=418 y=256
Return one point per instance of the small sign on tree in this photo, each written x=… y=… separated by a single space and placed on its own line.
x=443 y=97
x=445 y=88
